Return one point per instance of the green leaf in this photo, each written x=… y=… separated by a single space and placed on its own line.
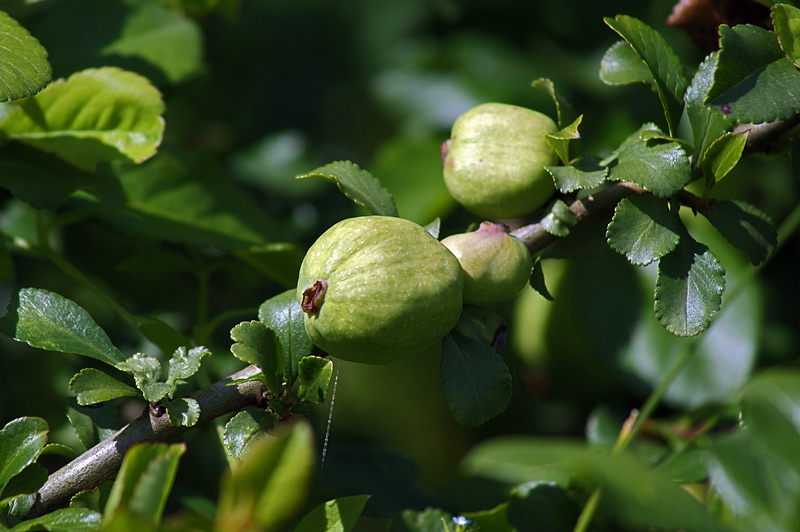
x=559 y=140
x=786 y=21
x=283 y=315
x=28 y=481
x=660 y=167
x=582 y=174
x=64 y=520
x=707 y=124
x=93 y=386
x=537 y=279
x=564 y=111
x=271 y=483
x=559 y=220
x=183 y=412
x=665 y=68
x=257 y=344
x=747 y=228
x=95 y=115
x=21 y=441
x=434 y=227
x=475 y=379
x=481 y=324
x=643 y=229
x=184 y=364
x=144 y=481
x=750 y=71
x=279 y=261
x=358 y=185
x=244 y=426
x=46 y=320
x=146 y=371
x=314 y=377
x=722 y=155
x=338 y=515
x=92 y=425
x=689 y=288
x=620 y=65
x=26 y=70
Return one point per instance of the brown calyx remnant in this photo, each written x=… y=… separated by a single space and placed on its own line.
x=314 y=297
x=445 y=148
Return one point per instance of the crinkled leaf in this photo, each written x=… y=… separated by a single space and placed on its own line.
x=283 y=315
x=707 y=124
x=751 y=70
x=183 y=412
x=667 y=72
x=480 y=323
x=46 y=320
x=722 y=155
x=314 y=376
x=357 y=184
x=244 y=426
x=93 y=386
x=21 y=441
x=583 y=174
x=144 y=481
x=64 y=520
x=559 y=220
x=92 y=425
x=146 y=371
x=537 y=279
x=475 y=379
x=271 y=483
x=95 y=115
x=185 y=363
x=564 y=110
x=746 y=227
x=658 y=166
x=689 y=288
x=786 y=21
x=620 y=65
x=25 y=69
x=257 y=344
x=643 y=229
x=559 y=140
x=338 y=515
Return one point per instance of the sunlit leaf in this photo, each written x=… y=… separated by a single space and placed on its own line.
x=620 y=65
x=146 y=371
x=183 y=412
x=244 y=426
x=358 y=185
x=659 y=167
x=257 y=344
x=184 y=363
x=583 y=174
x=338 y=515
x=21 y=441
x=25 y=69
x=283 y=315
x=643 y=229
x=314 y=376
x=93 y=386
x=707 y=124
x=722 y=155
x=64 y=520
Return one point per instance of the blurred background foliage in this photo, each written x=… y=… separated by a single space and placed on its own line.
x=257 y=92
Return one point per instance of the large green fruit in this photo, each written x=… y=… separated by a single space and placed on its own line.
x=496 y=265
x=495 y=158
x=377 y=289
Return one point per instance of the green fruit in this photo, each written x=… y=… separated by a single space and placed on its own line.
x=376 y=289
x=495 y=158
x=496 y=265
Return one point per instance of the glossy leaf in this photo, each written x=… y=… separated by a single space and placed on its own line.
x=583 y=174
x=358 y=185
x=559 y=140
x=475 y=379
x=257 y=344
x=750 y=71
x=723 y=154
x=667 y=71
x=63 y=520
x=786 y=21
x=620 y=65
x=707 y=124
x=92 y=425
x=314 y=376
x=564 y=111
x=21 y=441
x=244 y=426
x=689 y=288
x=338 y=515
x=146 y=371
x=95 y=115
x=747 y=228
x=93 y=386
x=25 y=70
x=185 y=363
x=643 y=229
x=559 y=220
x=283 y=315
x=660 y=167
x=46 y=320
x=183 y=412
x=144 y=481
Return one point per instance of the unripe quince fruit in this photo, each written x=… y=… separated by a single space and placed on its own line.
x=495 y=158
x=496 y=265
x=376 y=289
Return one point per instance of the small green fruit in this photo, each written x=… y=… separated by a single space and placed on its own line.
x=494 y=161
x=376 y=289
x=496 y=265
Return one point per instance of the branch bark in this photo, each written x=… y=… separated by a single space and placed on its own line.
x=98 y=463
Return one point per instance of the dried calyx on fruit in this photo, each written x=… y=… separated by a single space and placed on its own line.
x=377 y=289
x=496 y=265
x=495 y=158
